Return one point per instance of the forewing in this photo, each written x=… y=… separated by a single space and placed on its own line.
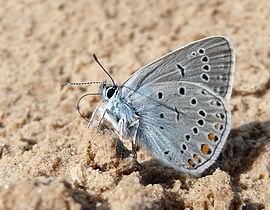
x=209 y=61
x=184 y=125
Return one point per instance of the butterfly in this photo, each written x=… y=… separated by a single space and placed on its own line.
x=177 y=106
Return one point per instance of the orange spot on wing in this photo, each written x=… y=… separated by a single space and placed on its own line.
x=211 y=136
x=191 y=163
x=195 y=157
x=205 y=149
x=217 y=126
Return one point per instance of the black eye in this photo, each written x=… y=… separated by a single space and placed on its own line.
x=110 y=92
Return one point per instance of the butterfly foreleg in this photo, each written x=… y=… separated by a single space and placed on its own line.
x=103 y=111
x=118 y=125
x=121 y=128
x=104 y=114
x=135 y=126
x=93 y=115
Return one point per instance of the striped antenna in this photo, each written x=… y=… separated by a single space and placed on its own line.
x=81 y=83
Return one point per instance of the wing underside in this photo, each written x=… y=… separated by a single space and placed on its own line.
x=184 y=125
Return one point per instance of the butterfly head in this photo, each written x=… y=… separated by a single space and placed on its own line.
x=108 y=91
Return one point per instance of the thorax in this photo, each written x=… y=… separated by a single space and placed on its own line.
x=121 y=109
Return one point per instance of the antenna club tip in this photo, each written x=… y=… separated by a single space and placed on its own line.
x=67 y=83
x=95 y=57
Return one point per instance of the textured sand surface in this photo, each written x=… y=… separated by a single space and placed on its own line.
x=49 y=160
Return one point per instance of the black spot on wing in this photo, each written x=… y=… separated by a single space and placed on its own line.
x=182 y=70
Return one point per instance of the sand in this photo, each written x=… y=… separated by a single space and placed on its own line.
x=50 y=160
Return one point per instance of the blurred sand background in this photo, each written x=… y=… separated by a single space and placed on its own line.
x=49 y=160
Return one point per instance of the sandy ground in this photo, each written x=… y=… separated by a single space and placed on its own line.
x=49 y=160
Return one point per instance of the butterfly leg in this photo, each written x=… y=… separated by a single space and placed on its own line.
x=103 y=111
x=118 y=125
x=121 y=126
x=93 y=115
x=134 y=138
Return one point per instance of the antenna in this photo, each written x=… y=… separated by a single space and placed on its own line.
x=96 y=60
x=78 y=104
x=81 y=83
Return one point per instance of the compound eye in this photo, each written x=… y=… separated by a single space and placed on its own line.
x=110 y=92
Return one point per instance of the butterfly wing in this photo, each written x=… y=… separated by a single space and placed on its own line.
x=183 y=124
x=209 y=62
